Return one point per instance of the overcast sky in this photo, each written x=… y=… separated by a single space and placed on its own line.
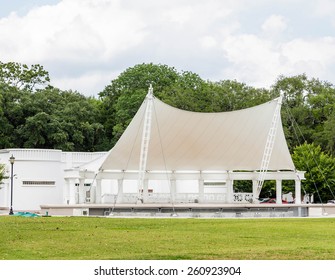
x=84 y=44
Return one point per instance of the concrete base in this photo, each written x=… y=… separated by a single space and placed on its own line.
x=192 y=210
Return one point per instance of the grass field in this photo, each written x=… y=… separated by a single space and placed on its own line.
x=89 y=238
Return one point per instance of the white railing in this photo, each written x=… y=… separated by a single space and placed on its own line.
x=242 y=197
x=36 y=154
x=178 y=198
x=81 y=157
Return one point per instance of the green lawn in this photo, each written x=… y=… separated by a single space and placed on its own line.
x=89 y=238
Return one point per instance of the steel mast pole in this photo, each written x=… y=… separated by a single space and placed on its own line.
x=145 y=144
x=268 y=148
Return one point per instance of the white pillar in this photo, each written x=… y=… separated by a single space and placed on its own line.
x=120 y=190
x=98 y=191
x=201 y=189
x=145 y=191
x=254 y=190
x=230 y=191
x=66 y=192
x=173 y=189
x=81 y=191
x=92 y=194
x=72 y=190
x=279 y=188
x=297 y=191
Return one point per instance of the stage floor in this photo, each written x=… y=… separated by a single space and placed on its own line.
x=191 y=210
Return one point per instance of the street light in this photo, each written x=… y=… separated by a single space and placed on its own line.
x=11 y=160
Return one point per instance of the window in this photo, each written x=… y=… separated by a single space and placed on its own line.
x=38 y=183
x=214 y=184
x=86 y=184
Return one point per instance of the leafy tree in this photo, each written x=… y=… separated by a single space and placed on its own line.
x=231 y=95
x=22 y=76
x=50 y=118
x=123 y=96
x=308 y=106
x=320 y=171
x=2 y=173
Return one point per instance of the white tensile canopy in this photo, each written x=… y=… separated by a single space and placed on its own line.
x=184 y=140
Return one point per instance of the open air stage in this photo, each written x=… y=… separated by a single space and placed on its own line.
x=192 y=210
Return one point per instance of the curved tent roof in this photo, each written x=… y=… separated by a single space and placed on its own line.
x=184 y=140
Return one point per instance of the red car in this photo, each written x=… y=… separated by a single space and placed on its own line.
x=271 y=200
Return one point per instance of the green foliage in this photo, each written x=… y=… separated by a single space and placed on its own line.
x=33 y=114
x=320 y=171
x=123 y=96
x=22 y=76
x=308 y=111
x=51 y=118
x=2 y=173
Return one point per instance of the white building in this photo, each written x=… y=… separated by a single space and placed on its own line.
x=166 y=155
x=38 y=176
x=53 y=177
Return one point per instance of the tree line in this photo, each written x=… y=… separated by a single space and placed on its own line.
x=34 y=114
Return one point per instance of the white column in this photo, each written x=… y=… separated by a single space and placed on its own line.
x=279 y=188
x=254 y=190
x=297 y=191
x=145 y=190
x=92 y=193
x=82 y=191
x=201 y=189
x=72 y=190
x=98 y=191
x=120 y=190
x=66 y=192
x=173 y=189
x=230 y=190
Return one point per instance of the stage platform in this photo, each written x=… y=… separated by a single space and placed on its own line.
x=191 y=210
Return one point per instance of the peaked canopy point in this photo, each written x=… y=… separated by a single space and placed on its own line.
x=183 y=140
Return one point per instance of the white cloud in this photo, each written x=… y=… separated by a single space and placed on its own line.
x=253 y=60
x=208 y=42
x=260 y=61
x=91 y=83
x=72 y=30
x=84 y=35
x=83 y=43
x=324 y=8
x=313 y=57
x=321 y=49
x=274 y=24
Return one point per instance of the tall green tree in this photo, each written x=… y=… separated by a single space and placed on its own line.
x=50 y=118
x=308 y=106
x=23 y=76
x=230 y=95
x=320 y=171
x=124 y=95
x=63 y=120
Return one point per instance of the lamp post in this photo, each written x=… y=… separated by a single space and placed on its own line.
x=11 y=160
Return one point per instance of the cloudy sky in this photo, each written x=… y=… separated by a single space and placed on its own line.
x=84 y=44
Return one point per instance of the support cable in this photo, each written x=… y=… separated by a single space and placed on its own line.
x=306 y=161
x=165 y=164
x=126 y=167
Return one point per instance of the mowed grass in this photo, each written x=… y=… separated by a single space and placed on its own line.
x=90 y=238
